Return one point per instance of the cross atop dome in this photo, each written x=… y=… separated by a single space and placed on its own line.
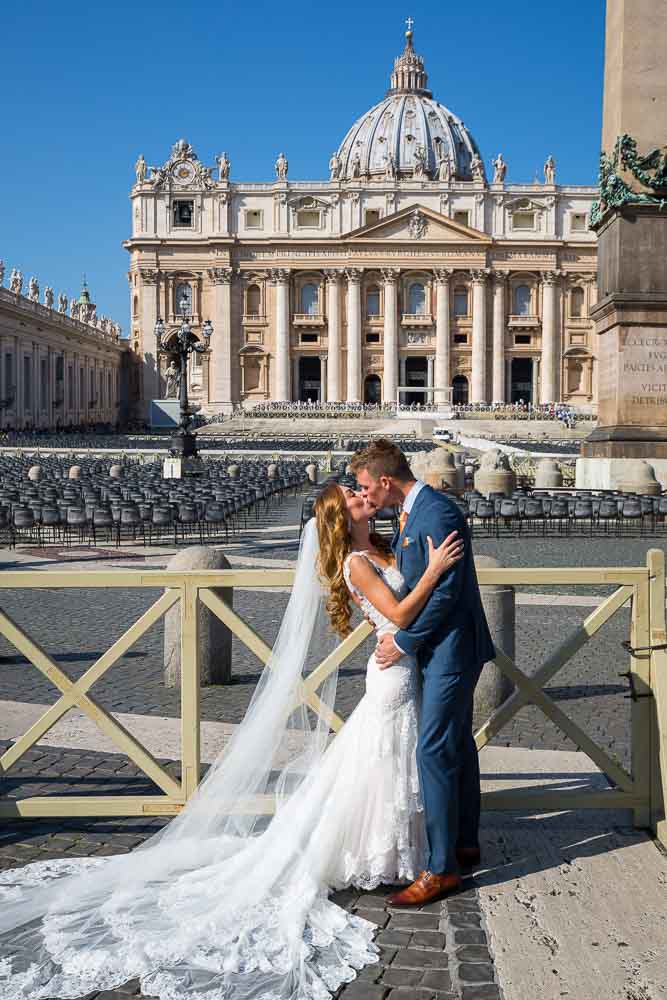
x=409 y=76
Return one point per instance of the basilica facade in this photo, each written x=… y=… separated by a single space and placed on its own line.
x=411 y=273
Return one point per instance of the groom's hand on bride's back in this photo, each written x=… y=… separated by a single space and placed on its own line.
x=386 y=652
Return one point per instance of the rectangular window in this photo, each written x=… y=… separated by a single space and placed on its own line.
x=462 y=217
x=578 y=222
x=461 y=303
x=373 y=303
x=460 y=338
x=308 y=218
x=253 y=218
x=27 y=383
x=371 y=216
x=183 y=214
x=372 y=338
x=309 y=338
x=521 y=338
x=523 y=220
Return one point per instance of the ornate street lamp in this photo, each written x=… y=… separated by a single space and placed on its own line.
x=183 y=343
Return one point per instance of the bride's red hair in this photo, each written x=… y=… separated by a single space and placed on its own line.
x=335 y=543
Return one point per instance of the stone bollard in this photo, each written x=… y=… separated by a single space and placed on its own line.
x=35 y=473
x=442 y=473
x=494 y=687
x=233 y=471
x=272 y=471
x=215 y=639
x=495 y=474
x=74 y=472
x=548 y=475
x=639 y=477
x=116 y=472
x=312 y=472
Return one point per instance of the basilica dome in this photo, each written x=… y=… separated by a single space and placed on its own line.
x=408 y=134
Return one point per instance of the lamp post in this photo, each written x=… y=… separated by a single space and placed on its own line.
x=183 y=442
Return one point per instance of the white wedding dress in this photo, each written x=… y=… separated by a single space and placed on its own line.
x=228 y=909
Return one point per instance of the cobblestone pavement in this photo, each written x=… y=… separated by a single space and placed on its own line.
x=439 y=952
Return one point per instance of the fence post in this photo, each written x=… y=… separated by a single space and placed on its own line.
x=658 y=681
x=640 y=712
x=190 y=693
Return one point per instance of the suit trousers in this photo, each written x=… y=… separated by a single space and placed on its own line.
x=448 y=765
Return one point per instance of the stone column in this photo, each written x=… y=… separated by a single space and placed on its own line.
x=353 y=275
x=390 y=359
x=549 y=382
x=323 y=378
x=403 y=371
x=430 y=363
x=498 y=393
x=536 y=381
x=221 y=358
x=281 y=375
x=478 y=337
x=149 y=314
x=443 y=364
x=333 y=336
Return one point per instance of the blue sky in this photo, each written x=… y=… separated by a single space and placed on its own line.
x=86 y=87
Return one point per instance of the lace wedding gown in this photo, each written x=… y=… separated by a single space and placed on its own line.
x=237 y=917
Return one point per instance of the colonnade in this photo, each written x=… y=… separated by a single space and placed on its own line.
x=438 y=350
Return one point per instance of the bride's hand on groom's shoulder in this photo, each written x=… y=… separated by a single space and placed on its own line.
x=444 y=556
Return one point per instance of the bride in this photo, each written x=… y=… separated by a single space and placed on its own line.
x=223 y=904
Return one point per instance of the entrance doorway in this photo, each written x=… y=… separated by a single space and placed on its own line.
x=522 y=380
x=310 y=380
x=459 y=390
x=415 y=375
x=372 y=389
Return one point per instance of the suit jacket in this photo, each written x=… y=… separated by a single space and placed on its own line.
x=451 y=628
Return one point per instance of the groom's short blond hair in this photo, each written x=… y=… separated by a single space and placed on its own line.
x=382 y=458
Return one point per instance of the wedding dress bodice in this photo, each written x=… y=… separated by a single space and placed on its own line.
x=393 y=579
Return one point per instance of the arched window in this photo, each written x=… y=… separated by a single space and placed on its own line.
x=184 y=299
x=460 y=301
x=577 y=302
x=522 y=300
x=253 y=300
x=135 y=306
x=417 y=299
x=373 y=301
x=310 y=299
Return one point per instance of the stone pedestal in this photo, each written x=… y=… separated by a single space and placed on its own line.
x=631 y=313
x=548 y=475
x=441 y=472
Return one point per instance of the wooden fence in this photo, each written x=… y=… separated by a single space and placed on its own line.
x=643 y=788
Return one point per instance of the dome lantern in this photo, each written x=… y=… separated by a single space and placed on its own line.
x=409 y=76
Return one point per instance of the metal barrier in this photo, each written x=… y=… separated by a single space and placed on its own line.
x=643 y=789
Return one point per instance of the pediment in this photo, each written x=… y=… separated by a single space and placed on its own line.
x=421 y=224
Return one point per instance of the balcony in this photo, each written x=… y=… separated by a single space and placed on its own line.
x=253 y=318
x=308 y=319
x=524 y=322
x=416 y=319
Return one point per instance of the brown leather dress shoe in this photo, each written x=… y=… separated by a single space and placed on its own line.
x=468 y=857
x=425 y=889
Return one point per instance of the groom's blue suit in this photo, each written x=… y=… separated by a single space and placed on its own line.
x=451 y=640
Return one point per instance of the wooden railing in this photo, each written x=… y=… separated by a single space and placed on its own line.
x=643 y=788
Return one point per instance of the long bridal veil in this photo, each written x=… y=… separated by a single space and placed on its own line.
x=221 y=903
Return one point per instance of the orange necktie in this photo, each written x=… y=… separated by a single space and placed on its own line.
x=401 y=521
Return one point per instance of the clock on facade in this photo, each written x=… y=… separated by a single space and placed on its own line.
x=183 y=173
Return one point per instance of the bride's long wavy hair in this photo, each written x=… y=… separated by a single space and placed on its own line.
x=335 y=544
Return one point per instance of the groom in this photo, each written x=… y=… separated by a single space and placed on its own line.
x=451 y=641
